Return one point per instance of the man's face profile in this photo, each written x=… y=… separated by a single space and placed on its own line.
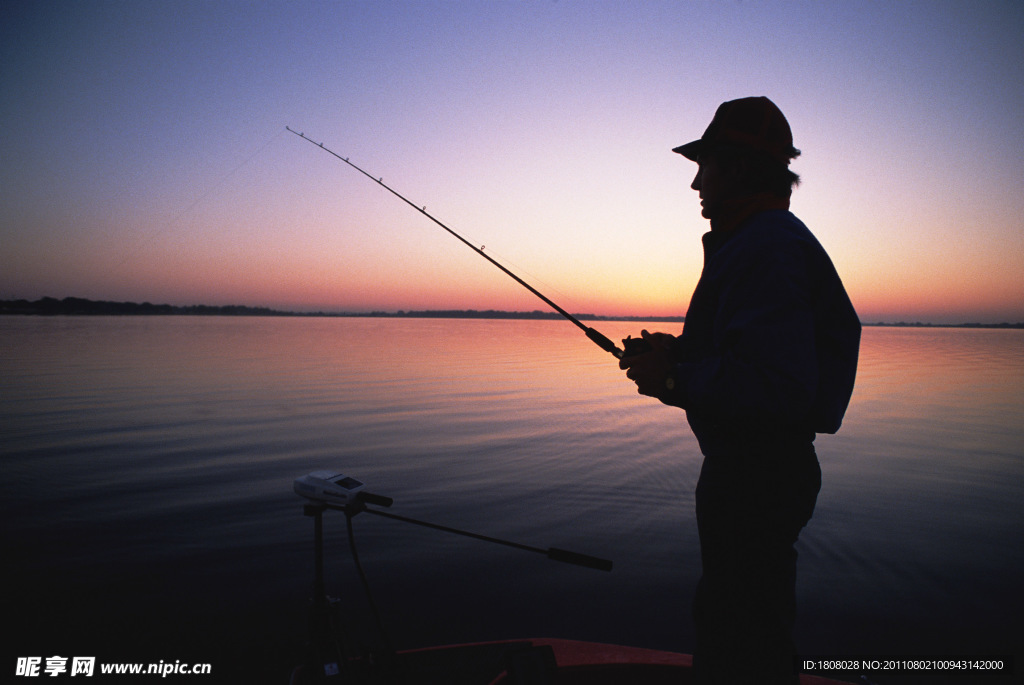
x=714 y=183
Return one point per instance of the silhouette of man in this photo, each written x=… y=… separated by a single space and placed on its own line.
x=767 y=358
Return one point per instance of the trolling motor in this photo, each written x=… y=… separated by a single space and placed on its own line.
x=337 y=489
x=331 y=490
x=326 y=657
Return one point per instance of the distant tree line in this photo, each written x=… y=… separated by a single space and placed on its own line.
x=918 y=324
x=77 y=306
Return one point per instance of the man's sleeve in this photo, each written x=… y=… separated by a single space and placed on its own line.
x=766 y=371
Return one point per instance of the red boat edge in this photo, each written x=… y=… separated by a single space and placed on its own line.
x=598 y=663
x=535 y=661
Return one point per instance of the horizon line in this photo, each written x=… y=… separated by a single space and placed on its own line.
x=77 y=306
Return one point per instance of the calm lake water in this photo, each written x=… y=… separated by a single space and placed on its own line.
x=148 y=510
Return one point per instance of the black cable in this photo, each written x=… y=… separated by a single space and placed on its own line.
x=366 y=585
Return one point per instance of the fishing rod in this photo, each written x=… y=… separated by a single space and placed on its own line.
x=603 y=342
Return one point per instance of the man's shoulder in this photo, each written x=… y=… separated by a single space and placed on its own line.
x=777 y=225
x=768 y=231
x=774 y=236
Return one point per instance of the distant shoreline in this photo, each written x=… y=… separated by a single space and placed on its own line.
x=76 y=306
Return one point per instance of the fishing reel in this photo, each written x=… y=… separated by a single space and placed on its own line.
x=633 y=346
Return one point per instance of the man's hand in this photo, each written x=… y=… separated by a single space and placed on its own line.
x=650 y=369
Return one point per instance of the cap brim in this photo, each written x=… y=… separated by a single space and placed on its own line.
x=691 y=150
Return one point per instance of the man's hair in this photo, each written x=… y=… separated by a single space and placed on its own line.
x=765 y=174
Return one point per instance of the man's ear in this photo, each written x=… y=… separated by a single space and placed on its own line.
x=740 y=173
x=739 y=170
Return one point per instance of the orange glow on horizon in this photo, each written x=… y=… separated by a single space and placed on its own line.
x=541 y=131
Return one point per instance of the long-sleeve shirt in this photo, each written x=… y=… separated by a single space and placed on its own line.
x=770 y=344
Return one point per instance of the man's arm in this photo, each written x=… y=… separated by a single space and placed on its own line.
x=764 y=368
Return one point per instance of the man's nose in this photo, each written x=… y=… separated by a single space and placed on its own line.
x=696 y=182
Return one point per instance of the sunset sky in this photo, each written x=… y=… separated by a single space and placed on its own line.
x=144 y=157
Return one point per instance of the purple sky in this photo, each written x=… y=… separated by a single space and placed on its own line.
x=144 y=155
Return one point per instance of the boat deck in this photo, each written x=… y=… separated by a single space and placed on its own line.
x=528 y=662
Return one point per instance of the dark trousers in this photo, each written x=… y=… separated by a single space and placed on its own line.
x=750 y=510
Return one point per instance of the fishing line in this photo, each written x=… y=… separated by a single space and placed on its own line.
x=597 y=338
x=177 y=218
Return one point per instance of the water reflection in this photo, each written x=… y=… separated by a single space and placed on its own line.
x=166 y=448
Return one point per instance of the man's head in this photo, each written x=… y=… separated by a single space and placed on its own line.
x=745 y=150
